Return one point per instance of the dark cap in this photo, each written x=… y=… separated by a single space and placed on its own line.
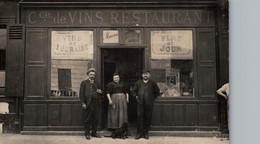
x=116 y=74
x=90 y=70
x=145 y=71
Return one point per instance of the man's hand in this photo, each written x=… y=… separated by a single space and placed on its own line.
x=110 y=102
x=226 y=97
x=138 y=100
x=99 y=91
x=84 y=106
x=220 y=92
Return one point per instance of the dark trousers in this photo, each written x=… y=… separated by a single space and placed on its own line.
x=91 y=117
x=144 y=117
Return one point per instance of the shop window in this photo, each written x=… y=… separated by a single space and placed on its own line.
x=172 y=62
x=3 y=45
x=2 y=60
x=71 y=55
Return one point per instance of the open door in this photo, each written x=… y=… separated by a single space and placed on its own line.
x=128 y=63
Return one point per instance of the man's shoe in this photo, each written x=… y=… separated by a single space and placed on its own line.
x=88 y=137
x=146 y=136
x=138 y=136
x=95 y=135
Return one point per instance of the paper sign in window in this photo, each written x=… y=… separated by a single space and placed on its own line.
x=174 y=44
x=72 y=45
x=110 y=36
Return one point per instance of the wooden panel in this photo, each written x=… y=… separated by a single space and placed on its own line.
x=7 y=19
x=36 y=44
x=157 y=115
x=179 y=114
x=207 y=82
x=206 y=45
x=54 y=114
x=206 y=51
x=35 y=115
x=66 y=114
x=208 y=115
x=223 y=68
x=8 y=9
x=168 y=114
x=35 y=80
x=36 y=62
x=76 y=115
x=15 y=61
x=191 y=114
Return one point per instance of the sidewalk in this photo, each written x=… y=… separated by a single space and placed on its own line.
x=64 y=139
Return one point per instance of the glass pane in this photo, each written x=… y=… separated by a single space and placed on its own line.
x=3 y=45
x=3 y=39
x=132 y=36
x=175 y=80
x=72 y=53
x=172 y=62
x=2 y=82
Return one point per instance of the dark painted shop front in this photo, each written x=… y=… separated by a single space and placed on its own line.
x=58 y=42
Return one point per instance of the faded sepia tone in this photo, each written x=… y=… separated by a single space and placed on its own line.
x=48 y=46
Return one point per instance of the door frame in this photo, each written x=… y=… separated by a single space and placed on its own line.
x=101 y=73
x=101 y=60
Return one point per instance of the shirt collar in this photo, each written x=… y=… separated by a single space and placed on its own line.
x=115 y=82
x=91 y=80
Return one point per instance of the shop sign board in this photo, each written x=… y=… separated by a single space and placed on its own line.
x=72 y=45
x=128 y=17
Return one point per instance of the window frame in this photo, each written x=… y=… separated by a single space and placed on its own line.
x=92 y=61
x=195 y=66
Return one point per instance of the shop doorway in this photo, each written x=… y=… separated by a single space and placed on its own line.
x=128 y=62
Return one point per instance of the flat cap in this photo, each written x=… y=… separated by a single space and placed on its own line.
x=90 y=70
x=116 y=74
x=145 y=71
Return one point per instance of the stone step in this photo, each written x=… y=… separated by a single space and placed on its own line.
x=132 y=133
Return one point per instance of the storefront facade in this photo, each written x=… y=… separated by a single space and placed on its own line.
x=177 y=41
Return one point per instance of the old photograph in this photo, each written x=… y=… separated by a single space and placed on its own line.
x=114 y=71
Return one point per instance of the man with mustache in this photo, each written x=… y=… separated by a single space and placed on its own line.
x=145 y=91
x=90 y=98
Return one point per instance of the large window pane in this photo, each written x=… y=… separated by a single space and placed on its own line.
x=72 y=54
x=3 y=45
x=172 y=62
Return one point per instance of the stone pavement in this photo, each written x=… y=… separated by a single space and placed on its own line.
x=65 y=139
